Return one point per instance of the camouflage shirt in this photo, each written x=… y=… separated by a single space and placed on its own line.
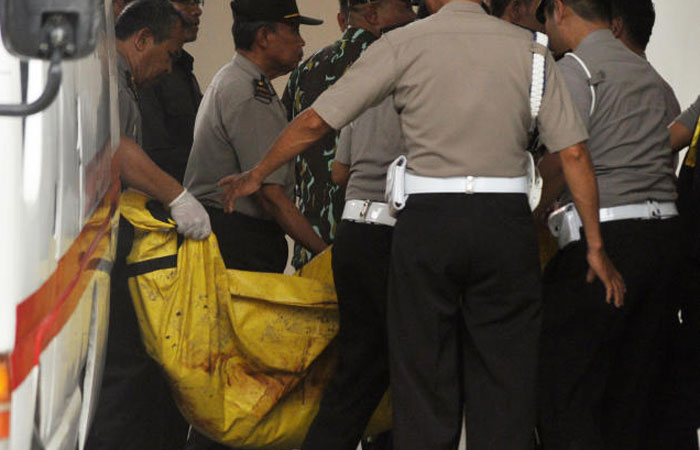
x=321 y=201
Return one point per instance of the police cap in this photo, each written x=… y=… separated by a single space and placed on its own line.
x=270 y=11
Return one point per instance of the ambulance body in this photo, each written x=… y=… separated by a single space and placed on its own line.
x=58 y=206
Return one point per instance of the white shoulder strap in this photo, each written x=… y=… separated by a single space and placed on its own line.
x=539 y=71
x=588 y=74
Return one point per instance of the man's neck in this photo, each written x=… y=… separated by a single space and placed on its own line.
x=261 y=62
x=580 y=29
x=123 y=50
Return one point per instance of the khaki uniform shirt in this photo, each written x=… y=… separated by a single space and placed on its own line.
x=239 y=119
x=368 y=145
x=630 y=142
x=460 y=80
x=689 y=118
x=129 y=113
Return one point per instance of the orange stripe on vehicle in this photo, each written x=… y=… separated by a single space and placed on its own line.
x=4 y=424
x=42 y=315
x=4 y=381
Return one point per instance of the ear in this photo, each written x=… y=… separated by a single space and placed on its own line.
x=516 y=10
x=617 y=27
x=371 y=16
x=143 y=38
x=560 y=11
x=342 y=21
x=262 y=37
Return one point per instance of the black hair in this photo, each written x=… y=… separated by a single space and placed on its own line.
x=244 y=32
x=591 y=10
x=158 y=16
x=344 y=7
x=638 y=18
x=498 y=7
x=423 y=11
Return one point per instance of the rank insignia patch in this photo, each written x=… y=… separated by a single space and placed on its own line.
x=263 y=92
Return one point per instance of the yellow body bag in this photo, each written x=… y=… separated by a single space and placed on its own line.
x=247 y=354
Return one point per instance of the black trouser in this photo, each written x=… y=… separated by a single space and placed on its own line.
x=464 y=319
x=136 y=410
x=675 y=416
x=599 y=364
x=246 y=243
x=360 y=269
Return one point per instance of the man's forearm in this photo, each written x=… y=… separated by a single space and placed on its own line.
x=288 y=216
x=680 y=136
x=306 y=129
x=554 y=181
x=580 y=177
x=138 y=171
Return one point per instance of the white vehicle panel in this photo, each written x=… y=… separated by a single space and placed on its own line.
x=66 y=434
x=61 y=366
x=22 y=412
x=11 y=132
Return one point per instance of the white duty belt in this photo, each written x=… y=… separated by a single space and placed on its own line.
x=367 y=211
x=416 y=184
x=565 y=223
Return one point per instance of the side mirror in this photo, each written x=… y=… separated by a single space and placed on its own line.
x=30 y=27
x=49 y=29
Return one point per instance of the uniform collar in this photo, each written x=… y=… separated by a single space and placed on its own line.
x=353 y=34
x=125 y=72
x=595 y=38
x=462 y=7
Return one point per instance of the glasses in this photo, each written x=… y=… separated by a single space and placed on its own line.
x=190 y=3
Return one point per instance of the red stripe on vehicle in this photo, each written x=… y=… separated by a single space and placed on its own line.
x=43 y=314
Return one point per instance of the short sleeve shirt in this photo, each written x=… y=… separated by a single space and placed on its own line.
x=464 y=110
x=368 y=145
x=239 y=119
x=630 y=142
x=129 y=113
x=689 y=118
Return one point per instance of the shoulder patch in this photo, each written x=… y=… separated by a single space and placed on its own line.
x=262 y=91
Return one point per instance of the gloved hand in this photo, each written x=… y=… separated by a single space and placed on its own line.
x=190 y=216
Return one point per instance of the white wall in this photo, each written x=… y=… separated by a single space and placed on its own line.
x=673 y=49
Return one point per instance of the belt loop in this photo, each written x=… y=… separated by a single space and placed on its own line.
x=469 y=189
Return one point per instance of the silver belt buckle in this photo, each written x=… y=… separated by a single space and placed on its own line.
x=365 y=210
x=654 y=209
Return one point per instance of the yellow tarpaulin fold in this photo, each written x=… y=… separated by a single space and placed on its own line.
x=247 y=354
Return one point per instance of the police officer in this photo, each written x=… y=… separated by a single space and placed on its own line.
x=239 y=118
x=136 y=409
x=360 y=261
x=463 y=308
x=599 y=362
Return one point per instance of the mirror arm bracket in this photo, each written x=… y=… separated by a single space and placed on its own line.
x=58 y=45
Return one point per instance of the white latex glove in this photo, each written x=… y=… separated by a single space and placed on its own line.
x=190 y=216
